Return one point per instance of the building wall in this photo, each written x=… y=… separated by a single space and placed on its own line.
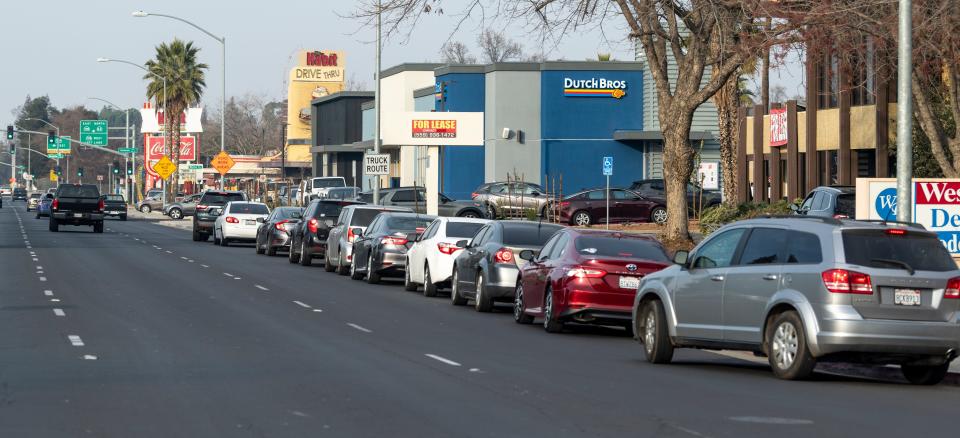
x=464 y=92
x=578 y=131
x=513 y=101
x=704 y=118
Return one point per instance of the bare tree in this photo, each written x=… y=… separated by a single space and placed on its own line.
x=253 y=125
x=354 y=84
x=455 y=52
x=496 y=47
x=778 y=94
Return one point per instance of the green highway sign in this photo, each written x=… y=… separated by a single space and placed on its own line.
x=93 y=132
x=127 y=150
x=64 y=144
x=55 y=155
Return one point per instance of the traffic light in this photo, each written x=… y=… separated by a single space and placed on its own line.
x=58 y=170
x=130 y=170
x=80 y=172
x=9 y=132
x=116 y=167
x=51 y=139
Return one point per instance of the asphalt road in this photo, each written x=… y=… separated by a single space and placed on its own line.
x=140 y=332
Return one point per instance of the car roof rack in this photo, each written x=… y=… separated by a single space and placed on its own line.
x=884 y=222
x=824 y=219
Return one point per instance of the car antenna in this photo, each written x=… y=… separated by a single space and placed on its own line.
x=886 y=217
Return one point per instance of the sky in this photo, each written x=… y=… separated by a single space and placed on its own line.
x=50 y=48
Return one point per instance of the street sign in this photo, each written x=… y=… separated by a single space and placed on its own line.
x=127 y=150
x=223 y=162
x=99 y=177
x=185 y=167
x=376 y=164
x=607 y=166
x=93 y=132
x=164 y=168
x=55 y=156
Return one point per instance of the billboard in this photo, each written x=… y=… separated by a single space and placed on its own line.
x=188 y=148
x=935 y=205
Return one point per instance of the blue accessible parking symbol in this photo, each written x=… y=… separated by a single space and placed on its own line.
x=607 y=166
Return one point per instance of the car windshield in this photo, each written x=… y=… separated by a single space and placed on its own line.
x=879 y=248
x=78 y=192
x=532 y=234
x=323 y=183
x=221 y=198
x=620 y=247
x=114 y=198
x=248 y=208
x=407 y=223
x=463 y=229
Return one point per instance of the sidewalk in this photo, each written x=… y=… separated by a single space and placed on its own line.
x=160 y=219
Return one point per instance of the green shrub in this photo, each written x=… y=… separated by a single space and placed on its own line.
x=716 y=217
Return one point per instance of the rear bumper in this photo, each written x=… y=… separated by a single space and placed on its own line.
x=392 y=263
x=71 y=218
x=877 y=336
x=203 y=226
x=279 y=239
x=239 y=232
x=502 y=281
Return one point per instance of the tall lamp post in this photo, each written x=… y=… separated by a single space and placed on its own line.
x=164 y=81
x=904 y=112
x=129 y=187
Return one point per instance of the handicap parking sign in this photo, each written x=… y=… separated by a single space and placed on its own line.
x=607 y=166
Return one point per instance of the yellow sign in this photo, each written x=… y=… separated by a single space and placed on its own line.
x=164 y=167
x=318 y=73
x=223 y=162
x=53 y=176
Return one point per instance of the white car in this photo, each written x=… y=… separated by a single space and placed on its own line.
x=238 y=221
x=430 y=259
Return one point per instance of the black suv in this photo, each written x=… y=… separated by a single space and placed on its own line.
x=203 y=220
x=19 y=194
x=308 y=239
x=839 y=202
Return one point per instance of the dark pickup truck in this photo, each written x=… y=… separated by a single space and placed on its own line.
x=77 y=204
x=114 y=205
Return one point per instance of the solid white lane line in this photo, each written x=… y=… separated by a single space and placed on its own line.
x=260 y=287
x=48 y=293
x=59 y=312
x=362 y=329
x=75 y=340
x=304 y=305
x=442 y=359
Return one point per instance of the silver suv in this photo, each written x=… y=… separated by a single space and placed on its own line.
x=805 y=289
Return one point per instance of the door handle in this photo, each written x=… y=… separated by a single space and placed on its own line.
x=717 y=278
x=770 y=277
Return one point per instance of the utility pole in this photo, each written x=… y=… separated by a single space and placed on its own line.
x=376 y=103
x=904 y=112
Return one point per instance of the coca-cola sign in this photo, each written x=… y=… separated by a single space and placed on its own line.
x=188 y=148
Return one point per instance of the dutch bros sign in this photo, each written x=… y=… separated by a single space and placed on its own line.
x=936 y=205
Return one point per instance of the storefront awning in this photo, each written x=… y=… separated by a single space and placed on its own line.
x=631 y=134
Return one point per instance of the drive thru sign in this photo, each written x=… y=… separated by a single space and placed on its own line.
x=376 y=164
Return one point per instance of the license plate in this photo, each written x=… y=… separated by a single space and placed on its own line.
x=249 y=222
x=906 y=297
x=78 y=215
x=629 y=282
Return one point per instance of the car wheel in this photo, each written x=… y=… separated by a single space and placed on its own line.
x=38 y=215
x=354 y=275
x=144 y=209
x=341 y=268
x=292 y=255
x=175 y=214
x=653 y=332
x=408 y=285
x=787 y=348
x=470 y=214
x=455 y=298
x=196 y=235
x=327 y=266
x=306 y=259
x=270 y=250
x=925 y=374
x=429 y=288
x=550 y=322
x=372 y=276
x=123 y=217
x=98 y=227
x=216 y=238
x=658 y=215
x=580 y=218
x=482 y=302
x=54 y=225
x=260 y=249
x=519 y=314
x=223 y=239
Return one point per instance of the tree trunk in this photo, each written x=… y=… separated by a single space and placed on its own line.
x=677 y=168
x=175 y=148
x=167 y=140
x=727 y=122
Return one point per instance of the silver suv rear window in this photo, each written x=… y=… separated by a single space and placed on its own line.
x=877 y=248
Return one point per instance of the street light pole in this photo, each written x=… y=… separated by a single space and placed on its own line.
x=376 y=103
x=127 y=158
x=904 y=112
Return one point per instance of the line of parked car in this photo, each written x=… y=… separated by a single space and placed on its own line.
x=797 y=289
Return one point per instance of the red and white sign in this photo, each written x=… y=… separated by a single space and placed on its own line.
x=778 y=127
x=188 y=148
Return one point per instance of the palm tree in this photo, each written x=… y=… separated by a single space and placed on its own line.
x=175 y=62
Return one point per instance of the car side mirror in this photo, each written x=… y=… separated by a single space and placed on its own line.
x=680 y=257
x=794 y=207
x=413 y=237
x=261 y=220
x=358 y=232
x=527 y=254
x=462 y=243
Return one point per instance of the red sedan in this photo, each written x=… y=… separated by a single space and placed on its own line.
x=590 y=207
x=586 y=277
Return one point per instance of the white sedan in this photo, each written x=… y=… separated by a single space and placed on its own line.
x=238 y=221
x=430 y=260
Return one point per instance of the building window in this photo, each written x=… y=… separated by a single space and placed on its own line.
x=828 y=79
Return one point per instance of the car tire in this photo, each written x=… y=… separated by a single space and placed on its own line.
x=787 y=350
x=482 y=302
x=455 y=298
x=341 y=269
x=123 y=217
x=216 y=240
x=260 y=250
x=54 y=225
x=519 y=308
x=470 y=213
x=270 y=250
x=429 y=288
x=175 y=214
x=328 y=266
x=305 y=258
x=658 y=215
x=98 y=228
x=653 y=333
x=550 y=322
x=354 y=274
x=38 y=215
x=581 y=218
x=292 y=255
x=408 y=285
x=144 y=209
x=925 y=374
x=372 y=276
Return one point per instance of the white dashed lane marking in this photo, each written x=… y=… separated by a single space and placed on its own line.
x=362 y=329
x=442 y=359
x=261 y=287
x=48 y=293
x=75 y=340
x=301 y=304
x=59 y=312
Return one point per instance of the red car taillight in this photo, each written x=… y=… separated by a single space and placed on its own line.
x=350 y=236
x=398 y=241
x=953 y=289
x=232 y=220
x=842 y=281
x=473 y=196
x=100 y=205
x=564 y=204
x=312 y=225
x=55 y=204
x=447 y=248
x=503 y=256
x=279 y=225
x=201 y=207
x=582 y=272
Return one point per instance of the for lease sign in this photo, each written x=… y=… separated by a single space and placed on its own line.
x=433 y=128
